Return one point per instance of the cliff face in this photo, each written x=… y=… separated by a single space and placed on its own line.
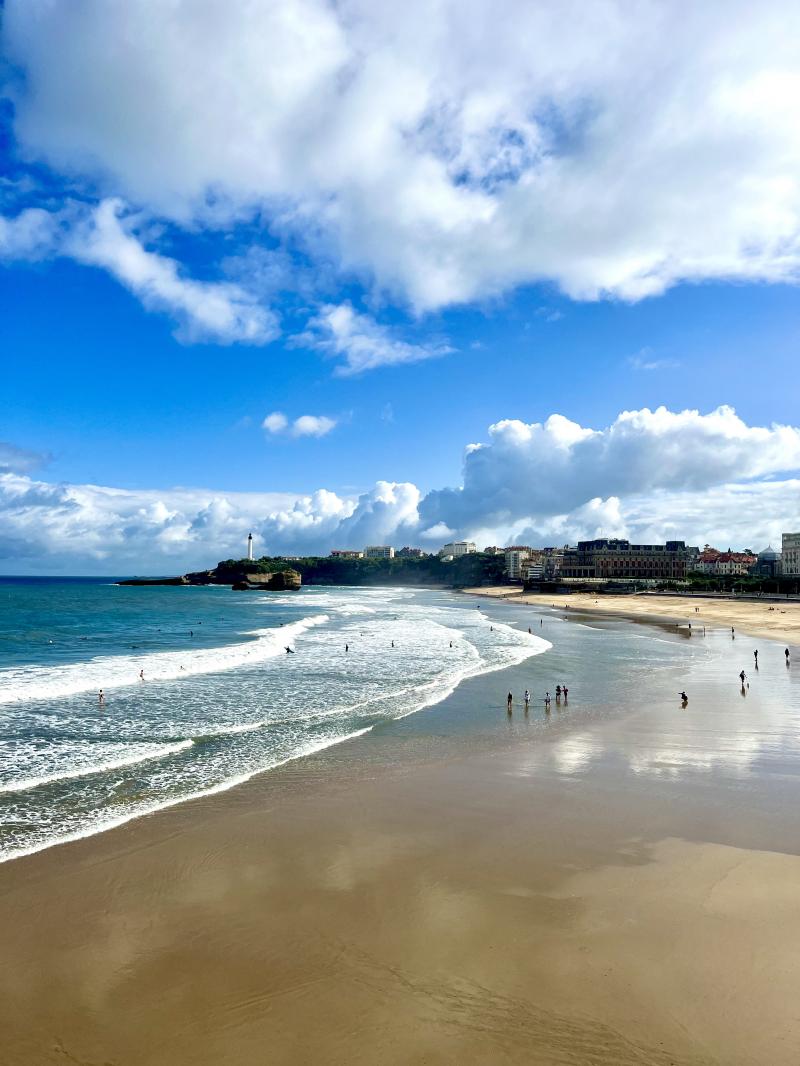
x=238 y=575
x=282 y=581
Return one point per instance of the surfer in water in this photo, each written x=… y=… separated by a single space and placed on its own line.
x=289 y=650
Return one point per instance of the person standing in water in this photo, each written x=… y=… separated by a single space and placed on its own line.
x=786 y=653
x=141 y=675
x=558 y=693
x=755 y=657
x=565 y=690
x=509 y=702
x=547 y=701
x=101 y=699
x=527 y=698
x=347 y=647
x=742 y=677
x=684 y=698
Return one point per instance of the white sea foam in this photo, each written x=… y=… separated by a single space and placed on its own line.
x=119 y=671
x=102 y=825
x=141 y=756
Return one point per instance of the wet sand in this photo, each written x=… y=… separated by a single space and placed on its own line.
x=605 y=891
x=776 y=620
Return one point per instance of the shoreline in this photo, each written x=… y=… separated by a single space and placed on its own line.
x=547 y=892
x=774 y=621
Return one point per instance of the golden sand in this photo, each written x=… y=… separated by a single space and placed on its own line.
x=777 y=620
x=471 y=910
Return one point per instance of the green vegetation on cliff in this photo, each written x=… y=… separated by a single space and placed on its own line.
x=462 y=572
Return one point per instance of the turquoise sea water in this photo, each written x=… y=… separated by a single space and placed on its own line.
x=221 y=699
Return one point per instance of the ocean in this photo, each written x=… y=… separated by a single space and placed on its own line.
x=199 y=690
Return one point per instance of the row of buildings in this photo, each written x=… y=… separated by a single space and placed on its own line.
x=618 y=560
x=614 y=559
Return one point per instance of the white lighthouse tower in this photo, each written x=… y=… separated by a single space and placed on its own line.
x=250 y=547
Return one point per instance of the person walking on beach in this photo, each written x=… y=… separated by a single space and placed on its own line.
x=527 y=699
x=509 y=702
x=742 y=677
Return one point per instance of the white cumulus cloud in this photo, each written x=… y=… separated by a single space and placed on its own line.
x=444 y=152
x=303 y=426
x=649 y=475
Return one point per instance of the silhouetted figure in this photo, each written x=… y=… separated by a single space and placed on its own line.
x=786 y=653
x=289 y=651
x=742 y=677
x=509 y=702
x=684 y=699
x=565 y=690
x=755 y=658
x=101 y=698
x=347 y=647
x=527 y=699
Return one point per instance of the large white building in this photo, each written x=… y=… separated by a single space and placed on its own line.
x=379 y=551
x=790 y=555
x=515 y=556
x=458 y=547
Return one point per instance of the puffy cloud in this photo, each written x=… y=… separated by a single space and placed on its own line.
x=339 y=330
x=542 y=469
x=312 y=425
x=275 y=423
x=650 y=476
x=304 y=426
x=445 y=152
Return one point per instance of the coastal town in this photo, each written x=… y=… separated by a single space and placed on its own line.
x=612 y=560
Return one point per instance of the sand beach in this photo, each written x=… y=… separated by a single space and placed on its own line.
x=613 y=883
x=776 y=619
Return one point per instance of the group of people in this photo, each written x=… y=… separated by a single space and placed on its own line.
x=561 y=691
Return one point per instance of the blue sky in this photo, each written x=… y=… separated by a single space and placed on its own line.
x=412 y=233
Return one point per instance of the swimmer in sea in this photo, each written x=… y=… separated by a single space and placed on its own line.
x=289 y=651
x=101 y=699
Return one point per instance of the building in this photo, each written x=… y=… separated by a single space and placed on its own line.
x=410 y=553
x=615 y=560
x=492 y=549
x=250 y=547
x=458 y=547
x=721 y=564
x=379 y=551
x=768 y=563
x=790 y=560
x=344 y=554
x=515 y=556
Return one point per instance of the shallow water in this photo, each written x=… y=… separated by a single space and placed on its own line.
x=221 y=699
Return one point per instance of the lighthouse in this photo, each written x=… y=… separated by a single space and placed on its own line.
x=250 y=547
